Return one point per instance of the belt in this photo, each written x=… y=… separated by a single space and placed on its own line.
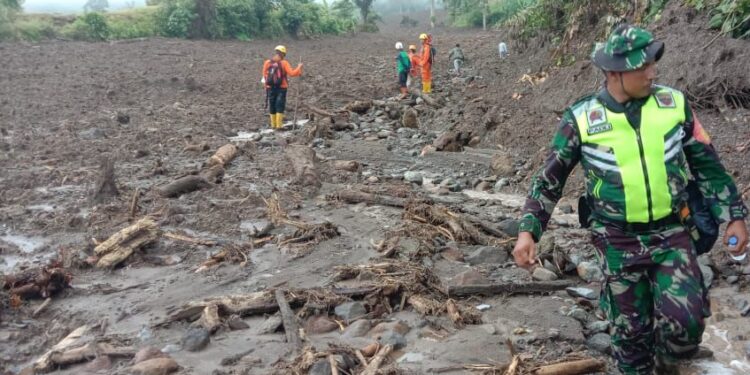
x=644 y=227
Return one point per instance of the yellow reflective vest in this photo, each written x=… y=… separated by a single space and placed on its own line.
x=634 y=174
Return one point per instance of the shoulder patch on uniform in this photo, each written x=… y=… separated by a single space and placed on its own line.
x=664 y=99
x=596 y=116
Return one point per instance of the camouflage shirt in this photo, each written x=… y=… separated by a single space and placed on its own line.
x=705 y=166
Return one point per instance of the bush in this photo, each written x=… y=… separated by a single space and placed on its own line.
x=90 y=26
x=135 y=23
x=34 y=29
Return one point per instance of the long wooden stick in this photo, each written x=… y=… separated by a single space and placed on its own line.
x=296 y=101
x=508 y=288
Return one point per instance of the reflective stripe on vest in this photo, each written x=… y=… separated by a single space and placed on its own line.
x=609 y=144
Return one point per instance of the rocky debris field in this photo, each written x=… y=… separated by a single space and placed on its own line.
x=152 y=224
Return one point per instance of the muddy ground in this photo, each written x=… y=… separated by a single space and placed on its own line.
x=160 y=108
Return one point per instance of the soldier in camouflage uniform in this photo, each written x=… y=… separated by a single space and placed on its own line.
x=638 y=143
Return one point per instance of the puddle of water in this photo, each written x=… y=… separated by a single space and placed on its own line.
x=26 y=244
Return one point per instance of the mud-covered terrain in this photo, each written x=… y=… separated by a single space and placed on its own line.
x=375 y=219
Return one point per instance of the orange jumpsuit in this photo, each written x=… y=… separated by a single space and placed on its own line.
x=426 y=67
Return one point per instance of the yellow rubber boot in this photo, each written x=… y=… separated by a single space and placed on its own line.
x=273 y=121
x=279 y=120
x=427 y=87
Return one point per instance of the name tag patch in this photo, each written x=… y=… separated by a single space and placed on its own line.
x=599 y=128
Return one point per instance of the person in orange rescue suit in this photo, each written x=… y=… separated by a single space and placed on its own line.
x=415 y=60
x=426 y=62
x=276 y=73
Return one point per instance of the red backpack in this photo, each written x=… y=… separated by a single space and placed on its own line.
x=275 y=74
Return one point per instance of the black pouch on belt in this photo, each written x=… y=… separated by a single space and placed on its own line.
x=584 y=211
x=703 y=228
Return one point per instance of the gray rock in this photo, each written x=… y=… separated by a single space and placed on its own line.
x=598 y=326
x=510 y=227
x=566 y=208
x=350 y=311
x=358 y=328
x=500 y=184
x=237 y=324
x=92 y=133
x=321 y=367
x=599 y=342
x=487 y=255
x=582 y=292
x=414 y=177
x=270 y=325
x=451 y=185
x=589 y=271
x=470 y=277
x=384 y=134
x=733 y=279
x=747 y=350
x=490 y=329
x=543 y=274
x=195 y=339
x=411 y=357
x=579 y=314
x=708 y=275
x=392 y=338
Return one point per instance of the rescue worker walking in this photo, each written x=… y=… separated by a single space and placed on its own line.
x=637 y=142
x=276 y=72
x=426 y=62
x=414 y=58
x=403 y=65
x=456 y=56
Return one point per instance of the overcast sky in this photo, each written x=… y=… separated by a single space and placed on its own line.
x=70 y=5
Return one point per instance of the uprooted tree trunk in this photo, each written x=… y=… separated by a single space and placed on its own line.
x=124 y=243
x=106 y=188
x=303 y=162
x=37 y=283
x=182 y=186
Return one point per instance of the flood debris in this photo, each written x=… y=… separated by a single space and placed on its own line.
x=305 y=235
x=124 y=243
x=44 y=282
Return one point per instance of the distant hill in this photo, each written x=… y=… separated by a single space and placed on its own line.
x=71 y=6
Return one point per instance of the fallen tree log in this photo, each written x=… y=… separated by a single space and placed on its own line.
x=354 y=196
x=359 y=106
x=508 y=288
x=289 y=320
x=182 y=186
x=124 y=243
x=74 y=338
x=580 y=367
x=318 y=111
x=223 y=155
x=302 y=159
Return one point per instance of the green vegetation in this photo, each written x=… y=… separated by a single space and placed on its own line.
x=210 y=19
x=528 y=18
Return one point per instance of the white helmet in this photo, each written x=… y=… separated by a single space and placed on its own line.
x=399 y=45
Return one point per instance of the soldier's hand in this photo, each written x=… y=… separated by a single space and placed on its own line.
x=525 y=251
x=738 y=229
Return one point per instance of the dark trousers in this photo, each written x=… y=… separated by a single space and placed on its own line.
x=276 y=100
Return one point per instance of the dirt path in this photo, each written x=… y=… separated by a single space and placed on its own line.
x=160 y=108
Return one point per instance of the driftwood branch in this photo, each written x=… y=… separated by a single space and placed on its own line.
x=353 y=196
x=508 y=288
x=377 y=360
x=291 y=328
x=124 y=243
x=580 y=367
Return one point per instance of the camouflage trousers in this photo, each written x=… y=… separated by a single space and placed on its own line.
x=653 y=295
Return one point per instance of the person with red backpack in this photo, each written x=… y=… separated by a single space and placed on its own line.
x=276 y=71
